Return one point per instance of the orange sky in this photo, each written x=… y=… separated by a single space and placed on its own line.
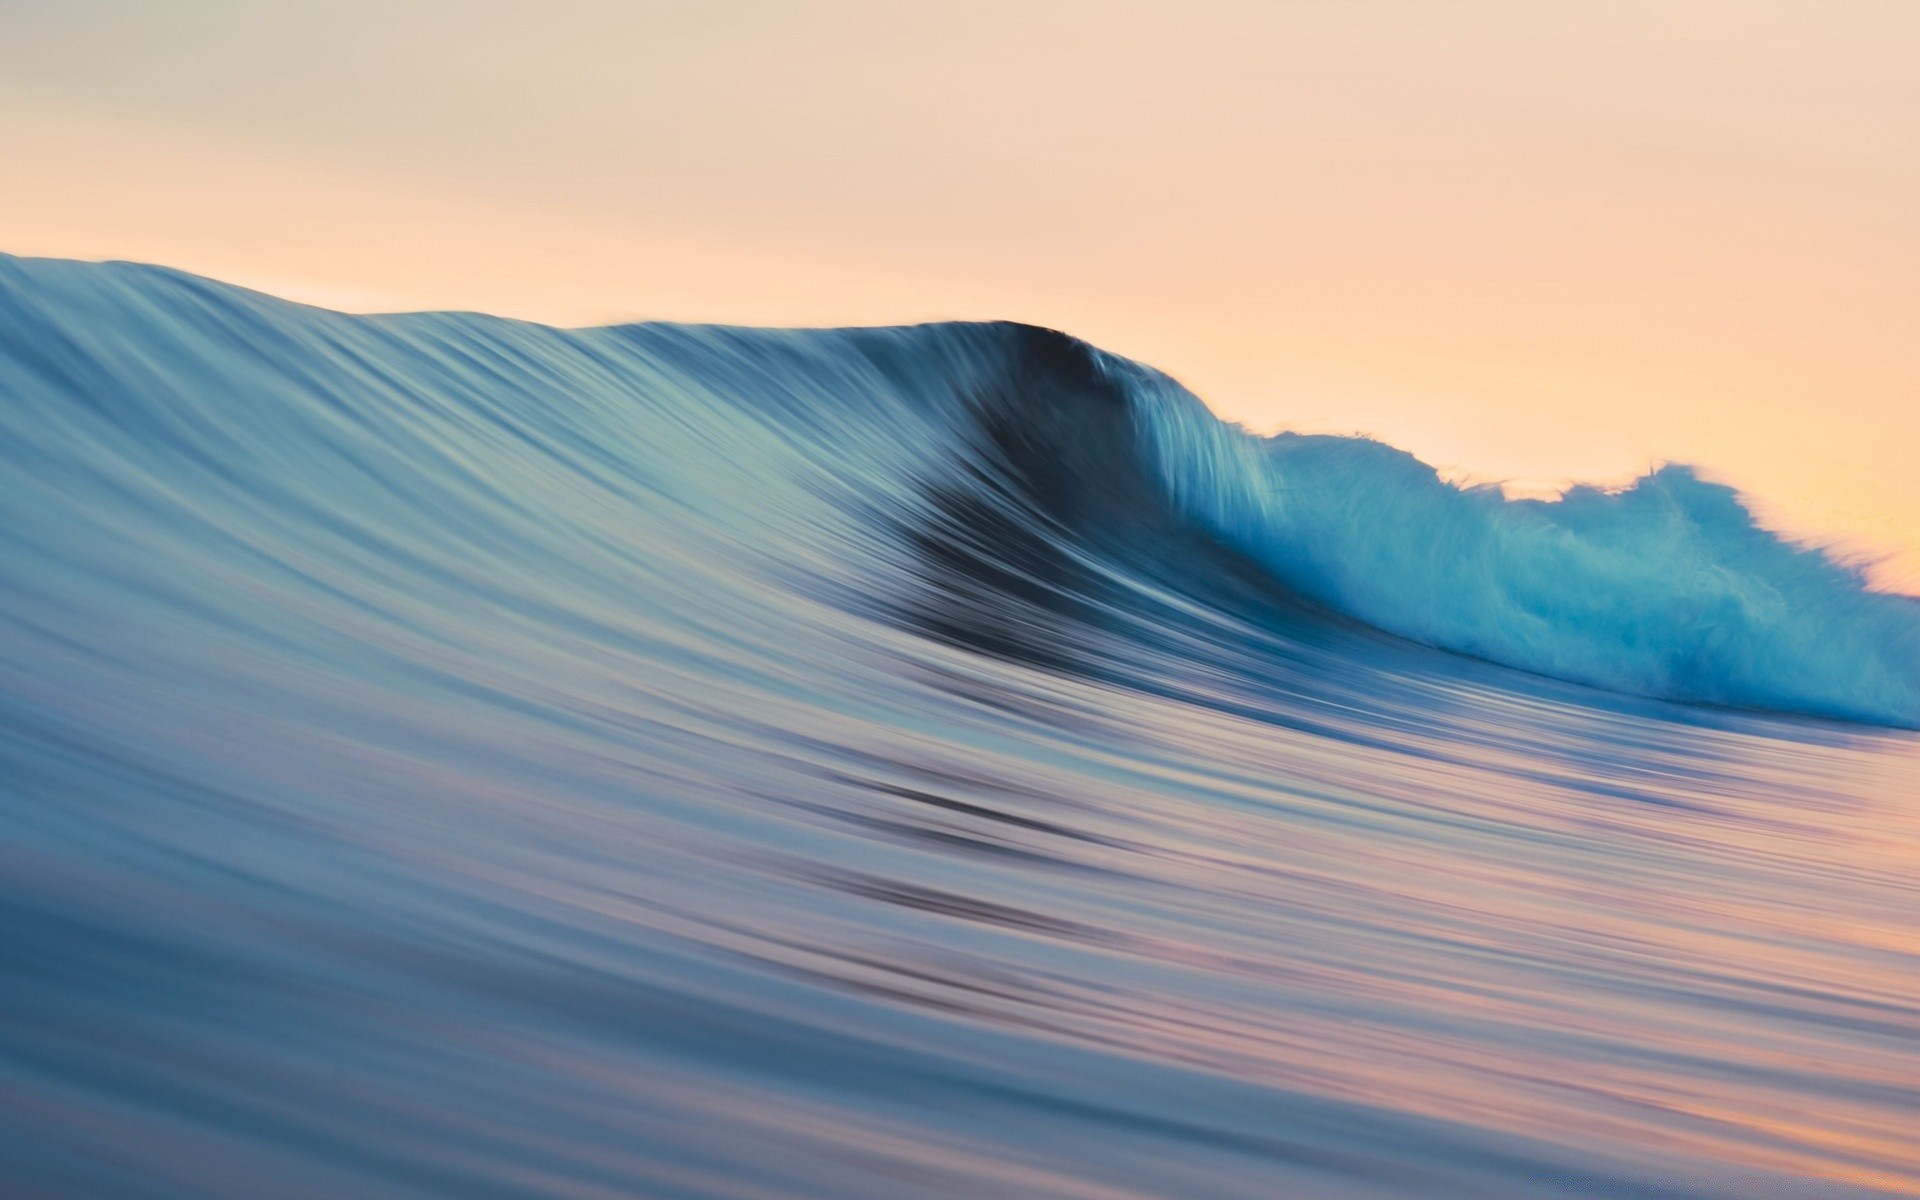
x=1533 y=242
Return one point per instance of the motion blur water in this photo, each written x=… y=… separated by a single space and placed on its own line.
x=451 y=757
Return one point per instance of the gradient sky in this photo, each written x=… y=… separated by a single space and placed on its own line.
x=1528 y=241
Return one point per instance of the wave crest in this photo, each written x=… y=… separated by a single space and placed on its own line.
x=1667 y=588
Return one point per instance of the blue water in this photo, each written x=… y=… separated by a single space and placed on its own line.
x=450 y=757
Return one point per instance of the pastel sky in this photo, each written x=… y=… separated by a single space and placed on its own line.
x=1528 y=241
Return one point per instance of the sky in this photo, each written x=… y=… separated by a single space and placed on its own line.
x=1533 y=243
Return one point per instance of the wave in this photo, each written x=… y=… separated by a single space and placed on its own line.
x=1667 y=588
x=444 y=756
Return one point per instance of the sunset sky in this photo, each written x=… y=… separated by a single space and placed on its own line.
x=1528 y=241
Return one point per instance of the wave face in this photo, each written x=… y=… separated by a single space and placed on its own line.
x=446 y=756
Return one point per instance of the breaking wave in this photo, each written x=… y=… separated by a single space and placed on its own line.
x=449 y=756
x=1666 y=588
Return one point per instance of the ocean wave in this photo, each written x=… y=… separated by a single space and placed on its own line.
x=1665 y=588
x=448 y=756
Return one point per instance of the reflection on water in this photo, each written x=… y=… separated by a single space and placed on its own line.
x=449 y=758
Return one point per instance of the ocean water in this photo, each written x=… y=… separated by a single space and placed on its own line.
x=450 y=757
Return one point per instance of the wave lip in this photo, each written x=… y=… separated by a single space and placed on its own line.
x=1667 y=588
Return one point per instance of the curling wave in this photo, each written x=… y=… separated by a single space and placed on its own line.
x=443 y=756
x=1667 y=588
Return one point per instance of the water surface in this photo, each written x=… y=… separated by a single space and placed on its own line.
x=448 y=757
